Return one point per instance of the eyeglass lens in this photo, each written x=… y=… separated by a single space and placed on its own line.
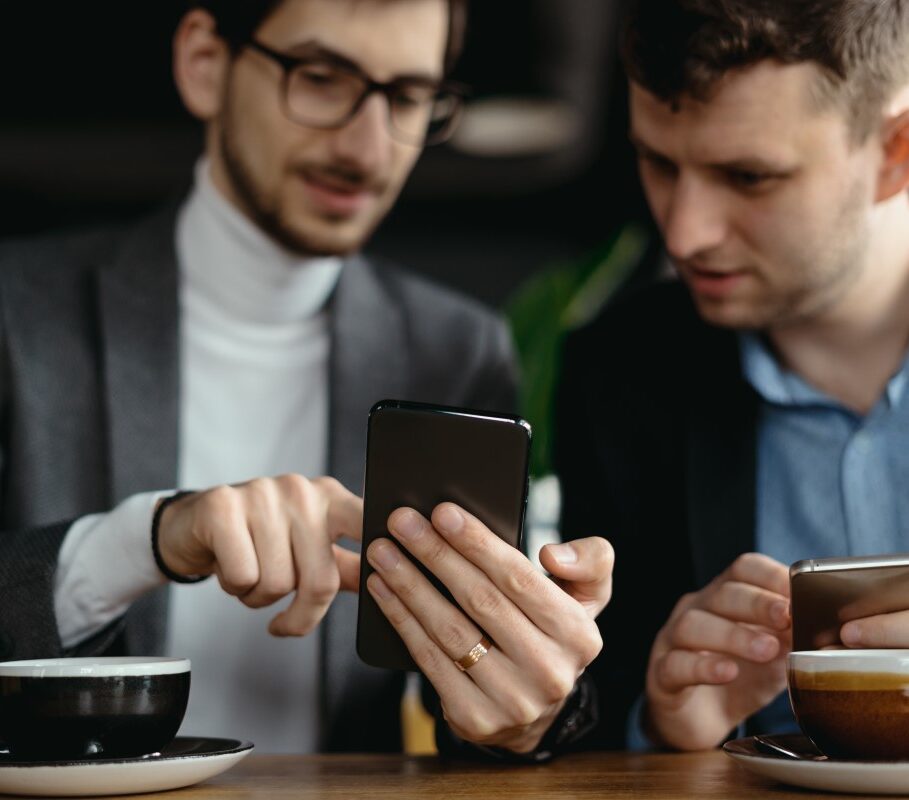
x=322 y=94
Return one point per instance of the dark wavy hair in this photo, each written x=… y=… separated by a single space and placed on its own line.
x=683 y=47
x=238 y=20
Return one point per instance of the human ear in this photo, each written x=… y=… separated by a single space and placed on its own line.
x=893 y=176
x=200 y=64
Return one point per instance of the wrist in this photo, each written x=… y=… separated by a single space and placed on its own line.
x=649 y=726
x=170 y=567
x=578 y=716
x=529 y=739
x=685 y=729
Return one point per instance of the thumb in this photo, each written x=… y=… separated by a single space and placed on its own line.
x=583 y=568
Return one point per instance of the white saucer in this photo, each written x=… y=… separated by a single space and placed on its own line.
x=185 y=761
x=831 y=775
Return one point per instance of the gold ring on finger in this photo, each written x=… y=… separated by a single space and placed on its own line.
x=473 y=655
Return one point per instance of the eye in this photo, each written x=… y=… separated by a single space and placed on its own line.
x=749 y=180
x=662 y=166
x=320 y=75
x=413 y=96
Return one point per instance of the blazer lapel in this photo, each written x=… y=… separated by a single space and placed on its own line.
x=139 y=318
x=139 y=326
x=368 y=363
x=721 y=465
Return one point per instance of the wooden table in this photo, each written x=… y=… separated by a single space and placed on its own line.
x=607 y=775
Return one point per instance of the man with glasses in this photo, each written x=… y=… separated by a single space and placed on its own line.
x=239 y=335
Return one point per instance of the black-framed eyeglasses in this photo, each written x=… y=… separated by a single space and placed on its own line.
x=323 y=92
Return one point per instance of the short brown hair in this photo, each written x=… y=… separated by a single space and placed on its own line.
x=238 y=20
x=677 y=47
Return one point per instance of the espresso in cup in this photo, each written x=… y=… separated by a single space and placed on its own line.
x=853 y=704
x=72 y=708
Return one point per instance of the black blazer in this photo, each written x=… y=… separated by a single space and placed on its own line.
x=656 y=449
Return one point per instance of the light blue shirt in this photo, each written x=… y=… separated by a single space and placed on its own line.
x=830 y=482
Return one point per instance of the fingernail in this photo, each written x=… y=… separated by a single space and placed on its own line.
x=383 y=555
x=851 y=634
x=449 y=519
x=564 y=553
x=407 y=525
x=378 y=586
x=762 y=647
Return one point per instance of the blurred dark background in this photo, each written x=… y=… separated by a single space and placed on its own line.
x=91 y=129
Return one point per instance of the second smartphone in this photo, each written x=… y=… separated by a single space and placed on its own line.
x=419 y=456
x=828 y=592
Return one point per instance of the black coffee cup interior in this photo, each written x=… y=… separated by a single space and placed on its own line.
x=114 y=716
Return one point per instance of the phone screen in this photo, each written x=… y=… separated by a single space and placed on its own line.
x=419 y=456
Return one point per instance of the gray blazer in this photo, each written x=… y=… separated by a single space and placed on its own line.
x=89 y=326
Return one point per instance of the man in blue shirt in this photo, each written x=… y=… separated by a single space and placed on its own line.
x=754 y=413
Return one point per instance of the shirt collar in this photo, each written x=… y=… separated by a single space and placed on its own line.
x=783 y=387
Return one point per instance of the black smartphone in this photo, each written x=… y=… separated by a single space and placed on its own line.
x=828 y=592
x=421 y=455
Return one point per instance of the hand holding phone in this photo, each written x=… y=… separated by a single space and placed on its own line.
x=538 y=633
x=419 y=456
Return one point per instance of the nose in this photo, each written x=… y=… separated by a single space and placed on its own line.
x=365 y=141
x=693 y=217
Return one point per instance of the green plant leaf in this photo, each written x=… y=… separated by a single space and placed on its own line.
x=545 y=308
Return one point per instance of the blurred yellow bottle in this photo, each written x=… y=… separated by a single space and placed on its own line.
x=417 y=725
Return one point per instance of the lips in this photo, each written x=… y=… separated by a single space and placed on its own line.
x=336 y=195
x=714 y=283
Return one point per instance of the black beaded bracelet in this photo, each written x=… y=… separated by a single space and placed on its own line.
x=156 y=552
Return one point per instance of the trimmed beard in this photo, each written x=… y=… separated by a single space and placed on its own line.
x=265 y=217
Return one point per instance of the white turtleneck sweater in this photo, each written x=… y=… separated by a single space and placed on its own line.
x=254 y=349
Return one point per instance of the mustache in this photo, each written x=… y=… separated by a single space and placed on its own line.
x=345 y=177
